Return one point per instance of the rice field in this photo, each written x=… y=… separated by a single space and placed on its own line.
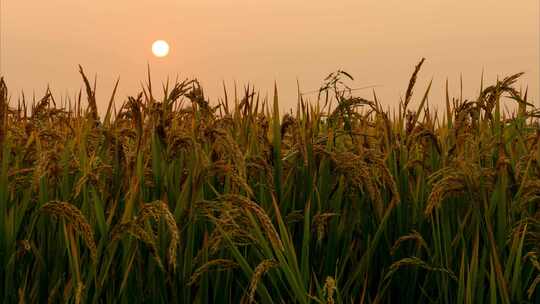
x=172 y=199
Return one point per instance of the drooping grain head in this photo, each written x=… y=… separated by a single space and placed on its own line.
x=74 y=217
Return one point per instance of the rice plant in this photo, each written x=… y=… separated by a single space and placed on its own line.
x=174 y=199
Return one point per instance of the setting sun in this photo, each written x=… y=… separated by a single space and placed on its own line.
x=160 y=48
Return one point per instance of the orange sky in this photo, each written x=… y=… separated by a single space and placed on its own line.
x=377 y=41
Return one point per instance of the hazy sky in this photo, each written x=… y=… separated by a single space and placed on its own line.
x=377 y=41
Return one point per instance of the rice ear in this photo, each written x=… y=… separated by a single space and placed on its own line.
x=76 y=219
x=3 y=109
x=259 y=271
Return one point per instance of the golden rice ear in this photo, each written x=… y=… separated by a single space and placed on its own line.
x=91 y=95
x=248 y=205
x=3 y=109
x=329 y=289
x=320 y=224
x=76 y=219
x=221 y=264
x=157 y=210
x=463 y=177
x=136 y=227
x=412 y=82
x=78 y=292
x=413 y=236
x=369 y=173
x=259 y=271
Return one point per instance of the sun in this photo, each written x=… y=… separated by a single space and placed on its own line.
x=160 y=48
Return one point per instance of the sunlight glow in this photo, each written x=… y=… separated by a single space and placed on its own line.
x=160 y=48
